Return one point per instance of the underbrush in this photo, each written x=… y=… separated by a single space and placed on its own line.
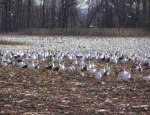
x=106 y=32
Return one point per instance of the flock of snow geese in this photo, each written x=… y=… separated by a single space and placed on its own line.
x=83 y=63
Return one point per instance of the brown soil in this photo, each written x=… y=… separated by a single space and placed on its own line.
x=5 y=42
x=33 y=91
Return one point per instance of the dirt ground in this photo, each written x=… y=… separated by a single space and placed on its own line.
x=44 y=92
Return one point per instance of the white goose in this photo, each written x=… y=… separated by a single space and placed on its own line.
x=107 y=67
x=60 y=58
x=69 y=57
x=36 y=65
x=75 y=62
x=81 y=63
x=92 y=65
x=51 y=66
x=74 y=58
x=62 y=67
x=146 y=78
x=98 y=75
x=91 y=69
x=140 y=59
x=80 y=68
x=101 y=56
x=81 y=58
x=20 y=64
x=3 y=62
x=114 y=60
x=103 y=71
x=70 y=69
x=32 y=64
x=33 y=57
x=125 y=74
x=124 y=60
x=89 y=65
x=139 y=67
x=9 y=55
x=42 y=59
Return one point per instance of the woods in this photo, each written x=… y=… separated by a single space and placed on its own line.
x=30 y=14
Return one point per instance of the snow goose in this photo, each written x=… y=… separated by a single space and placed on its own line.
x=9 y=55
x=140 y=59
x=36 y=65
x=107 y=70
x=62 y=66
x=107 y=58
x=59 y=67
x=52 y=58
x=149 y=62
x=74 y=58
x=107 y=67
x=123 y=59
x=81 y=63
x=121 y=73
x=60 y=58
x=20 y=64
x=42 y=59
x=33 y=57
x=103 y=71
x=101 y=56
x=75 y=62
x=89 y=65
x=3 y=63
x=80 y=68
x=91 y=70
x=146 y=78
x=81 y=58
x=92 y=65
x=139 y=67
x=9 y=61
x=113 y=59
x=92 y=56
x=31 y=65
x=51 y=66
x=70 y=69
x=86 y=56
x=98 y=75
x=125 y=75
x=69 y=57
x=56 y=58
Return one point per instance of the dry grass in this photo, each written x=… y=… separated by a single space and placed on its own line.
x=86 y=32
x=5 y=42
x=27 y=91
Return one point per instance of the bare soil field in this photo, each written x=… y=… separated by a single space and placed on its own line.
x=5 y=42
x=44 y=92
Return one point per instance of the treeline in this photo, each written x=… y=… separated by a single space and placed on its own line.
x=28 y=14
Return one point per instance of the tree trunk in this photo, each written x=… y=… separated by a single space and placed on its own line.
x=9 y=16
x=29 y=14
x=6 y=16
x=137 y=13
x=3 y=17
x=43 y=14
